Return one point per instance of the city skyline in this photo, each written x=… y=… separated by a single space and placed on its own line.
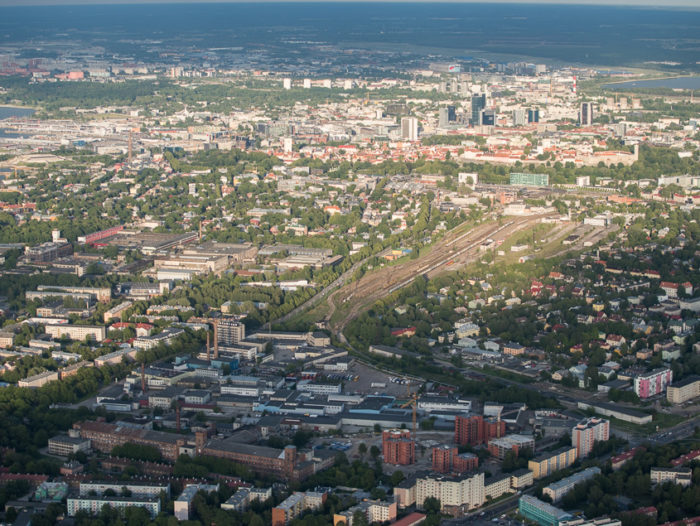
x=630 y=3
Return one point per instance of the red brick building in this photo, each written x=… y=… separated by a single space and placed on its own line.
x=473 y=430
x=398 y=447
x=446 y=459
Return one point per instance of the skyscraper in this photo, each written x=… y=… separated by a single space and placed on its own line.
x=447 y=116
x=585 y=116
x=409 y=128
x=519 y=117
x=488 y=118
x=478 y=104
x=533 y=116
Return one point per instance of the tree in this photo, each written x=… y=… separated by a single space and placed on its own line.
x=374 y=452
x=362 y=449
x=397 y=477
x=431 y=505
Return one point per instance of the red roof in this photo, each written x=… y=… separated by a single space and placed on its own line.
x=410 y=520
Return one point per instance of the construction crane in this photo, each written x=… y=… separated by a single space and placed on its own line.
x=412 y=402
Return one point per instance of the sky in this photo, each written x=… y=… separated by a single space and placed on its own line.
x=650 y=3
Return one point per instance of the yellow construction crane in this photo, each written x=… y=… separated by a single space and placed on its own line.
x=413 y=402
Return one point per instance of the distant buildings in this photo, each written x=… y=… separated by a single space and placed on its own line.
x=477 y=106
x=585 y=116
x=409 y=128
x=587 y=432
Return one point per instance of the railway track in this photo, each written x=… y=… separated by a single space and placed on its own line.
x=385 y=281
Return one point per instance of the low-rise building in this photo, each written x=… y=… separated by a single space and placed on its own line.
x=682 y=476
x=64 y=445
x=77 y=332
x=558 y=489
x=541 y=512
x=93 y=505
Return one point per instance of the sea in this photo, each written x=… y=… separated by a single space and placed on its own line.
x=588 y=34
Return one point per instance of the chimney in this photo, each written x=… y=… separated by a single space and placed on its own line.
x=177 y=415
x=216 y=339
x=208 y=348
x=143 y=377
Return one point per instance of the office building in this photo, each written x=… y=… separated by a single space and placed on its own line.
x=478 y=104
x=557 y=490
x=533 y=116
x=541 y=512
x=488 y=118
x=585 y=117
x=549 y=462
x=446 y=116
x=398 y=447
x=519 y=117
x=409 y=128
x=588 y=432
x=652 y=383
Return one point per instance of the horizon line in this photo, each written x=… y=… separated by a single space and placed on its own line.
x=601 y=3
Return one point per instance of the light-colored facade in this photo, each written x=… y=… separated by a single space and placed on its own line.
x=558 y=489
x=93 y=505
x=652 y=383
x=588 y=432
x=682 y=476
x=76 y=332
x=466 y=492
x=685 y=390
x=547 y=463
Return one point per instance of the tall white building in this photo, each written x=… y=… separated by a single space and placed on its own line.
x=409 y=128
x=287 y=83
x=588 y=432
x=466 y=491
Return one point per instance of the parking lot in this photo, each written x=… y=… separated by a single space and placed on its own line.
x=373 y=381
